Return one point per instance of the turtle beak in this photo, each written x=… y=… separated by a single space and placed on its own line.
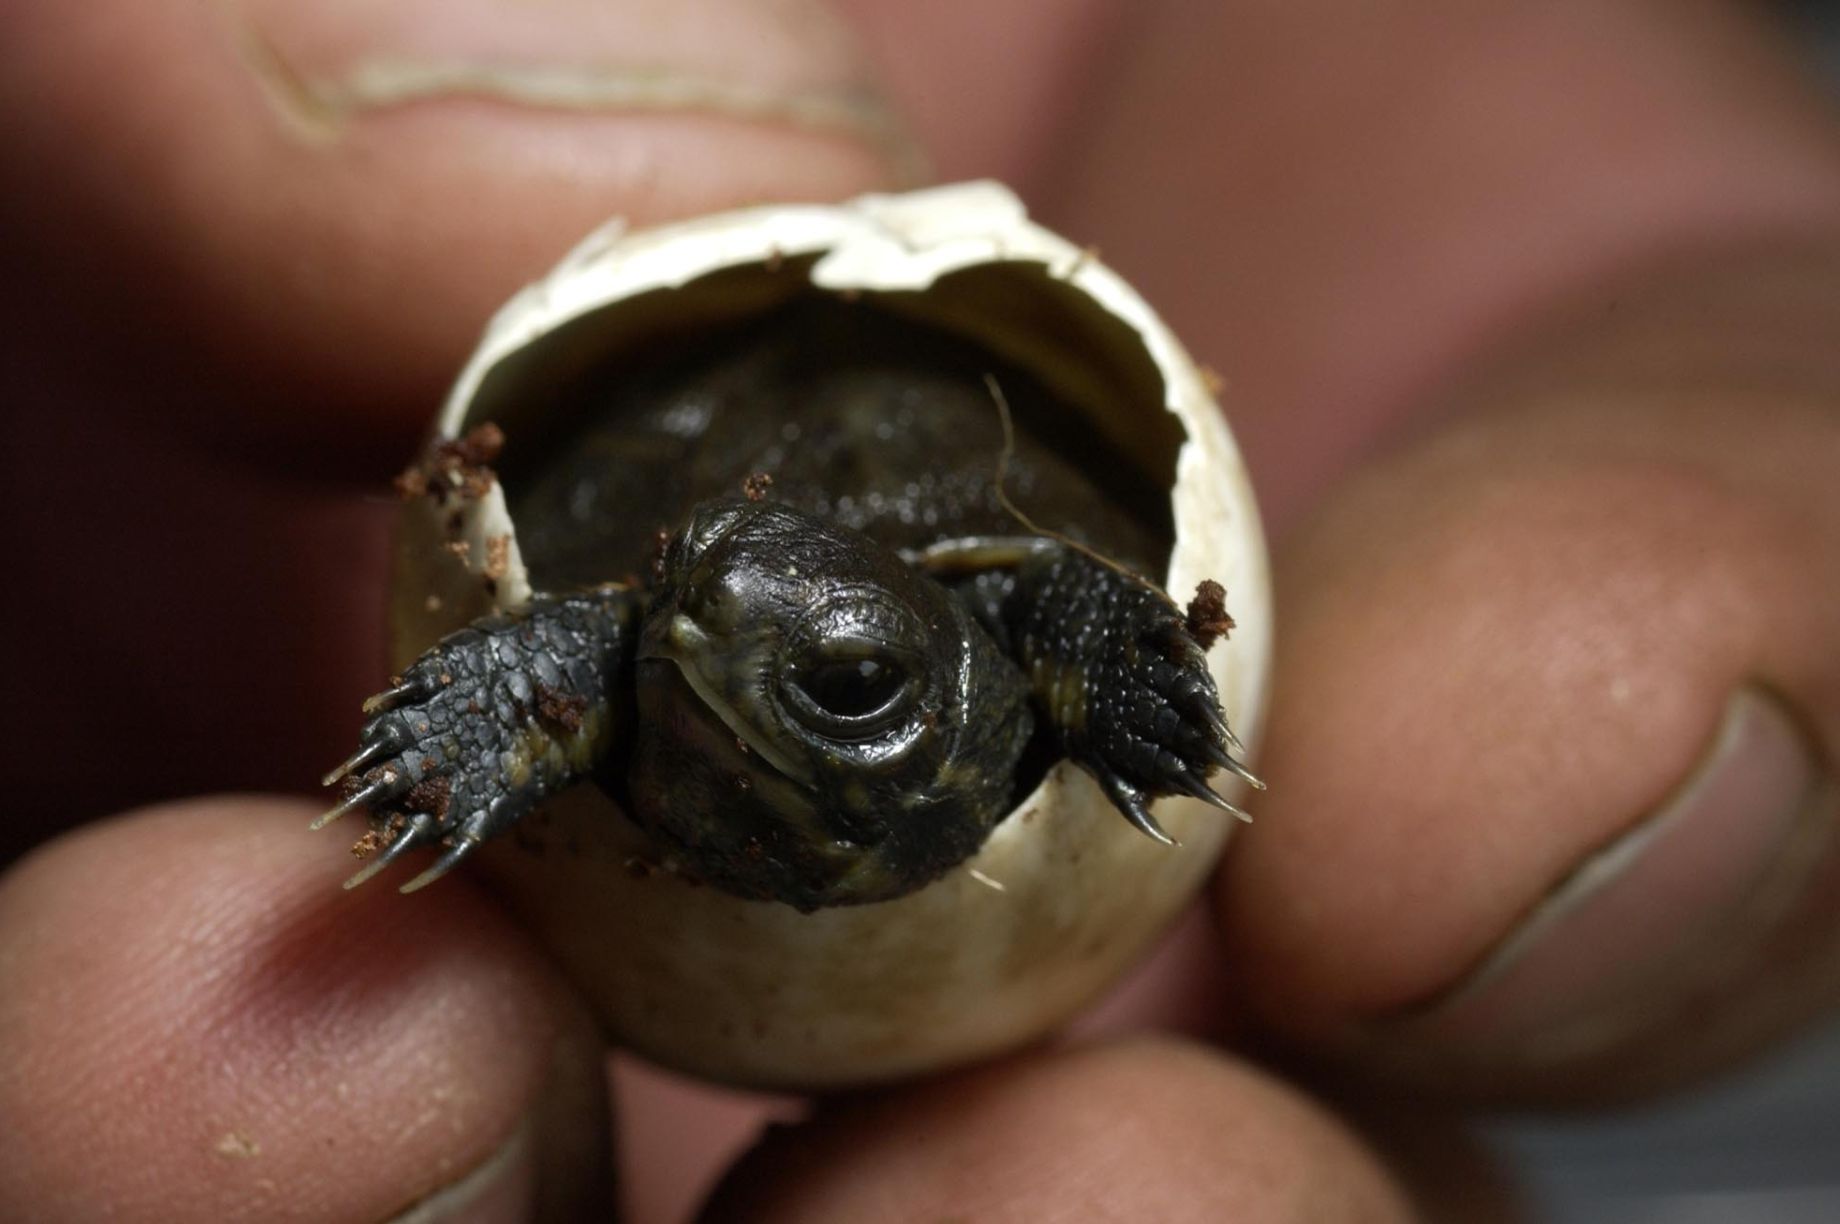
x=678 y=639
x=724 y=683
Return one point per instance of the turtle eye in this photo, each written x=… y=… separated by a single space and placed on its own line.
x=850 y=688
x=849 y=694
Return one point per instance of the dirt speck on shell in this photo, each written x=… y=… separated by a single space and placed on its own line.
x=1207 y=614
x=454 y=467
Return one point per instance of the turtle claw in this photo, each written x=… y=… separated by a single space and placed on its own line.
x=1189 y=784
x=447 y=862
x=1153 y=721
x=1225 y=760
x=1120 y=674
x=484 y=726
x=406 y=690
x=1130 y=801
x=385 y=737
x=420 y=828
x=356 y=761
x=387 y=785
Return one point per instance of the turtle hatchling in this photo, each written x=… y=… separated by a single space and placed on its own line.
x=813 y=621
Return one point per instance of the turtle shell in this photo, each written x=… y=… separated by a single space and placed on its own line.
x=1064 y=895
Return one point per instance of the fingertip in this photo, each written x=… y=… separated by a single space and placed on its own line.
x=1509 y=656
x=202 y=1026
x=1153 y=1130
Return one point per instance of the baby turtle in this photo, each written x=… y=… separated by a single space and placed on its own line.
x=837 y=650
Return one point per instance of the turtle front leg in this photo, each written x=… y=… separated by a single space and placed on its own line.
x=1116 y=669
x=488 y=723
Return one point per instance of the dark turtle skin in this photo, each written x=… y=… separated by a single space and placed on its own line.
x=847 y=657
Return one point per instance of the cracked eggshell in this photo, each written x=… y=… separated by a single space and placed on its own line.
x=1064 y=896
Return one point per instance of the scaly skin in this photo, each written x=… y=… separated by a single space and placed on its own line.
x=1117 y=674
x=496 y=718
x=489 y=723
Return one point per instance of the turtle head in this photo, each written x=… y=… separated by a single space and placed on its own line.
x=819 y=723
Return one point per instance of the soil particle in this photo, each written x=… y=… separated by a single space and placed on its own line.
x=498 y=557
x=1207 y=614
x=430 y=795
x=454 y=467
x=560 y=710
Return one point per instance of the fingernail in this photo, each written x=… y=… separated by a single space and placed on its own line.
x=556 y=1164
x=500 y=1187
x=791 y=65
x=1625 y=932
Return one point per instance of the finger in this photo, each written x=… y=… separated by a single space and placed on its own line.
x=992 y=91
x=1152 y=1131
x=1552 y=804
x=325 y=202
x=201 y=1026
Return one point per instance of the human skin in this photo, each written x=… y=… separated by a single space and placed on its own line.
x=1528 y=317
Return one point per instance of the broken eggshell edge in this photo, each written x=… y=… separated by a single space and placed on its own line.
x=1064 y=896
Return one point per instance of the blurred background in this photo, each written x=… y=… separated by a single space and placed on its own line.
x=1763 y=1146
x=1821 y=19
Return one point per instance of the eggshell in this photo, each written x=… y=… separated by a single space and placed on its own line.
x=1064 y=896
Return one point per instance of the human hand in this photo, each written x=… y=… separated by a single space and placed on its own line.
x=1583 y=365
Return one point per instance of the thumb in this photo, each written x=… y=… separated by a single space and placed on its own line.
x=1552 y=757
